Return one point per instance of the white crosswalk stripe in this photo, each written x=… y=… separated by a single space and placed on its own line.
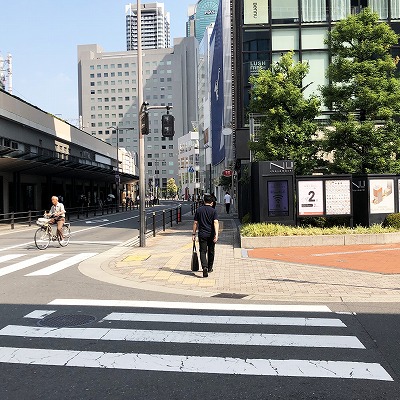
x=65 y=262
x=224 y=329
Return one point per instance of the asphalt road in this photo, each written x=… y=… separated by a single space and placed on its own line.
x=139 y=345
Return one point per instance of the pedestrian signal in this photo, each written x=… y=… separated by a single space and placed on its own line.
x=168 y=129
x=144 y=123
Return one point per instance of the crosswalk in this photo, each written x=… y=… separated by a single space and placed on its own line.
x=43 y=262
x=213 y=339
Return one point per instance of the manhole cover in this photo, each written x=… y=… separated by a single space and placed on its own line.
x=70 y=320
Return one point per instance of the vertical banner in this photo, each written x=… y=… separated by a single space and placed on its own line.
x=311 y=198
x=255 y=12
x=278 y=198
x=217 y=90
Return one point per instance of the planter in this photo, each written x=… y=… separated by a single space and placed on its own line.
x=318 y=240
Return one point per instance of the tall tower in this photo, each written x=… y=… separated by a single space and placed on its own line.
x=200 y=16
x=156 y=32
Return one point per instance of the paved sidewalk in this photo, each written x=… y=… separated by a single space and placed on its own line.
x=164 y=266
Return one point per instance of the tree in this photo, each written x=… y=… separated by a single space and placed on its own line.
x=288 y=128
x=364 y=95
x=172 y=188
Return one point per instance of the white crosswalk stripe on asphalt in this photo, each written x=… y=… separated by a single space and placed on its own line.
x=223 y=330
x=65 y=262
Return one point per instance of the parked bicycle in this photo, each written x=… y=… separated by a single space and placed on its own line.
x=44 y=235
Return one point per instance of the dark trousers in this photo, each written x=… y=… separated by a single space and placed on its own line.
x=207 y=248
x=227 y=206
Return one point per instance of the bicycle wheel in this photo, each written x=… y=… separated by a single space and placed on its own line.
x=67 y=235
x=42 y=238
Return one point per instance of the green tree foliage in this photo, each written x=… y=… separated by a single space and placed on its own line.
x=364 y=95
x=172 y=188
x=288 y=129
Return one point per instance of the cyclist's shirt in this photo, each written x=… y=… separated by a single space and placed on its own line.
x=59 y=208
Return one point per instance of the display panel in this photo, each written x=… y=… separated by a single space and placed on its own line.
x=381 y=196
x=337 y=197
x=311 y=199
x=278 y=198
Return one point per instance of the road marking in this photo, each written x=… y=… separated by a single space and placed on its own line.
x=27 y=263
x=96 y=242
x=15 y=246
x=51 y=269
x=195 y=364
x=39 y=314
x=9 y=257
x=221 y=319
x=191 y=306
x=164 y=336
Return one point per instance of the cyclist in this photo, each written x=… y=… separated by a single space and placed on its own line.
x=57 y=215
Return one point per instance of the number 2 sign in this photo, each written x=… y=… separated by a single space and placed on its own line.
x=311 y=197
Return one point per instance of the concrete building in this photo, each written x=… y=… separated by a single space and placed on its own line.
x=41 y=156
x=108 y=99
x=155 y=26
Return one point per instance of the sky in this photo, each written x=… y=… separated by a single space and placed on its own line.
x=42 y=36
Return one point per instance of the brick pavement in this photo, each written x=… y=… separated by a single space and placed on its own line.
x=164 y=266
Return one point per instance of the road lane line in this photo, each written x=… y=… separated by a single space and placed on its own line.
x=51 y=269
x=191 y=306
x=164 y=336
x=39 y=314
x=27 y=263
x=195 y=364
x=221 y=319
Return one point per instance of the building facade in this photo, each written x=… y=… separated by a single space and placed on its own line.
x=201 y=16
x=108 y=99
x=155 y=26
x=189 y=165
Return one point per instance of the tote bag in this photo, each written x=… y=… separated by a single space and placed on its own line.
x=195 y=259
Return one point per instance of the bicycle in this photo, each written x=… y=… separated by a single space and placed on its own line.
x=44 y=235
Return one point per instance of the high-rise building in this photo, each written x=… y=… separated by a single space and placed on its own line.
x=108 y=99
x=155 y=26
x=200 y=17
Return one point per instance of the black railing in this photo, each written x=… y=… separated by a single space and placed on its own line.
x=159 y=220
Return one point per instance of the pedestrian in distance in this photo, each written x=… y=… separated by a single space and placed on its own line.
x=227 y=201
x=207 y=225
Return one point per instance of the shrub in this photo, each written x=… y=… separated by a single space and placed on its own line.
x=392 y=220
x=246 y=219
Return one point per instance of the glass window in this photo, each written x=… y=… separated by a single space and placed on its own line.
x=284 y=10
x=313 y=38
x=395 y=8
x=380 y=7
x=340 y=9
x=314 y=10
x=285 y=39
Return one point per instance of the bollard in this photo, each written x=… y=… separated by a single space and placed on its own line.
x=30 y=218
x=170 y=216
x=163 y=220
x=179 y=214
x=154 y=224
x=12 y=220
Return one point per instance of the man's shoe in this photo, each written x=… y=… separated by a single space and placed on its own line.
x=210 y=269
x=205 y=272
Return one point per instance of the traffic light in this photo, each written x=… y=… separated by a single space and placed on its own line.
x=168 y=129
x=144 y=123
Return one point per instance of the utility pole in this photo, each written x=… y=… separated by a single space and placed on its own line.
x=142 y=187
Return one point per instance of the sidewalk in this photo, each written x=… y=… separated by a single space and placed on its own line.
x=291 y=275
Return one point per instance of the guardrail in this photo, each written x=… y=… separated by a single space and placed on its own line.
x=158 y=221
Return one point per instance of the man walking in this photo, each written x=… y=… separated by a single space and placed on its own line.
x=206 y=222
x=227 y=201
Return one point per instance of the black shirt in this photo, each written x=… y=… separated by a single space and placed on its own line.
x=205 y=217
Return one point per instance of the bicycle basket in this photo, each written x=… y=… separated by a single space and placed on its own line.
x=42 y=221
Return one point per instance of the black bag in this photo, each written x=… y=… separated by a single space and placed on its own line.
x=195 y=259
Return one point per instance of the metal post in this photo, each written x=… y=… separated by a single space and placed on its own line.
x=117 y=178
x=163 y=220
x=170 y=216
x=142 y=193
x=12 y=220
x=154 y=224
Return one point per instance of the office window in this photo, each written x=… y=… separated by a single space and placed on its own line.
x=284 y=10
x=340 y=9
x=395 y=9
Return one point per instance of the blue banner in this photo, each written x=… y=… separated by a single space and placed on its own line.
x=217 y=90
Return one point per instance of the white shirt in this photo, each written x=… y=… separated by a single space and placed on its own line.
x=227 y=198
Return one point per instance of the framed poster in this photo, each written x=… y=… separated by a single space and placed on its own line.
x=278 y=198
x=338 y=197
x=311 y=198
x=381 y=196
